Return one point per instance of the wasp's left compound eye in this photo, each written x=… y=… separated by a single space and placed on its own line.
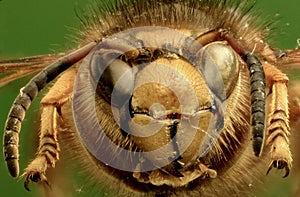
x=219 y=65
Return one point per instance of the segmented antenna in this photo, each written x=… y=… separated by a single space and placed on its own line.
x=24 y=99
x=258 y=96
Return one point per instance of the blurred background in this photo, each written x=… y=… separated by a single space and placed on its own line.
x=34 y=27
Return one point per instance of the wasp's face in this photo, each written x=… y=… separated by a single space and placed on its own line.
x=168 y=101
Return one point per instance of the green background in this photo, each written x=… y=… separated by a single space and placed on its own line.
x=35 y=27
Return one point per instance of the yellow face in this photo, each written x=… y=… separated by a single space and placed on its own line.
x=166 y=105
x=171 y=99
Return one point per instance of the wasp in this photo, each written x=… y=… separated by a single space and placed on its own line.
x=160 y=98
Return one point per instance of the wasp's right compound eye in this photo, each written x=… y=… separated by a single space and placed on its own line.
x=117 y=82
x=113 y=77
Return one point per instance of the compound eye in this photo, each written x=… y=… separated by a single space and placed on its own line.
x=114 y=79
x=220 y=66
